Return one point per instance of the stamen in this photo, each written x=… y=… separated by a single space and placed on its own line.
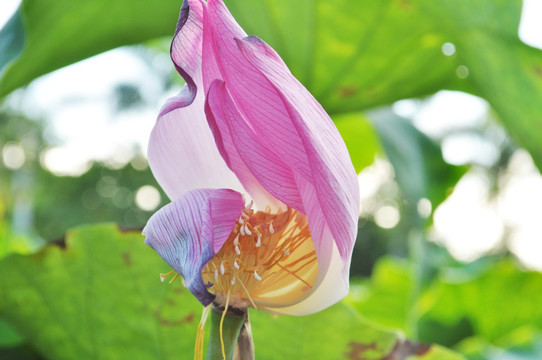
x=198 y=349
x=163 y=276
x=256 y=276
x=269 y=258
x=248 y=294
x=247 y=230
x=175 y=278
x=249 y=205
x=222 y=324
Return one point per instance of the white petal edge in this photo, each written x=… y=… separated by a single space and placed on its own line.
x=332 y=289
x=183 y=155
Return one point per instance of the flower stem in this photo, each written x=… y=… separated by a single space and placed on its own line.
x=226 y=325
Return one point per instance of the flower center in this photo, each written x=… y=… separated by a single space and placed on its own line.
x=268 y=259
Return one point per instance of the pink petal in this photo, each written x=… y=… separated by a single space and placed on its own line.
x=257 y=168
x=188 y=232
x=220 y=30
x=276 y=116
x=332 y=173
x=332 y=176
x=271 y=133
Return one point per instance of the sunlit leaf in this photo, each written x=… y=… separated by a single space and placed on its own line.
x=11 y=40
x=351 y=54
x=523 y=344
x=384 y=299
x=497 y=302
x=58 y=33
x=336 y=333
x=100 y=297
x=360 y=137
x=417 y=160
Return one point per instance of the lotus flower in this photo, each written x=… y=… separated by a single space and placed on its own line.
x=264 y=196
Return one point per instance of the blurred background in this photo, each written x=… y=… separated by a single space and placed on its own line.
x=440 y=105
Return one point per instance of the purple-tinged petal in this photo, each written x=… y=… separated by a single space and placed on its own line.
x=258 y=169
x=270 y=132
x=281 y=116
x=186 y=53
x=188 y=232
x=259 y=161
x=332 y=174
x=280 y=133
x=182 y=152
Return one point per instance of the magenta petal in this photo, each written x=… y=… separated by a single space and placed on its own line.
x=242 y=112
x=258 y=168
x=332 y=174
x=283 y=136
x=188 y=232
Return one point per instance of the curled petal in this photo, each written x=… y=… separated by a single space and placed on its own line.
x=182 y=151
x=188 y=232
x=269 y=131
x=284 y=137
x=186 y=53
x=331 y=171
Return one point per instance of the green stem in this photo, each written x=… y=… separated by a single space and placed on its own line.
x=233 y=321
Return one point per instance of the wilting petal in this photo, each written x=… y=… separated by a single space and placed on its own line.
x=272 y=134
x=189 y=231
x=285 y=138
x=332 y=173
x=182 y=152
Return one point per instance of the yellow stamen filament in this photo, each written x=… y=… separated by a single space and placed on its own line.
x=222 y=325
x=198 y=348
x=175 y=278
x=164 y=276
x=247 y=293
x=269 y=258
